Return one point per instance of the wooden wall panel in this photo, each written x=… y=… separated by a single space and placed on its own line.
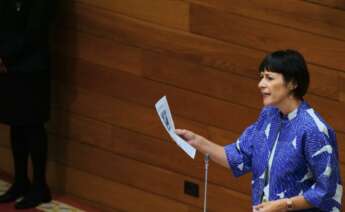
x=156 y=151
x=324 y=82
x=98 y=51
x=295 y=14
x=328 y=83
x=266 y=36
x=342 y=88
x=337 y=4
x=147 y=92
x=118 y=195
x=211 y=53
x=113 y=81
x=224 y=85
x=140 y=175
x=169 y=13
x=77 y=127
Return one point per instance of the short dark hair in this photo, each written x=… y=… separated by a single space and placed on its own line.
x=291 y=64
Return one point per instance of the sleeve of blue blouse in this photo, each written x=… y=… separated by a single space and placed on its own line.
x=321 y=155
x=239 y=154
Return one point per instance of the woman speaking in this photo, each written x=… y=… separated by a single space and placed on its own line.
x=290 y=149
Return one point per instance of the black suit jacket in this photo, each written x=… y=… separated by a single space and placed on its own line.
x=24 y=28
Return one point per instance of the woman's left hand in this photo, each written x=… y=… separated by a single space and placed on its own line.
x=272 y=206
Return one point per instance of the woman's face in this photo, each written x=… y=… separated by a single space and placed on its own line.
x=273 y=88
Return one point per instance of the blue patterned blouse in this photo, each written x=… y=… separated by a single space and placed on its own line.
x=289 y=156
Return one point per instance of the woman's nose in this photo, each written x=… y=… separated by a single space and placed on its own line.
x=261 y=83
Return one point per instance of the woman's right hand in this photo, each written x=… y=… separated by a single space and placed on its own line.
x=205 y=146
x=192 y=138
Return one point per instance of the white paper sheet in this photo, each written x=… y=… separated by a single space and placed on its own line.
x=164 y=114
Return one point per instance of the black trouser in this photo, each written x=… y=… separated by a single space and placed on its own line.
x=29 y=140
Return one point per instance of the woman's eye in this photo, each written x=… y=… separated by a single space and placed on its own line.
x=270 y=78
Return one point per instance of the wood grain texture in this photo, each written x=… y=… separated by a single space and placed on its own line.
x=145 y=92
x=87 y=75
x=266 y=36
x=206 y=52
x=342 y=88
x=151 y=150
x=337 y=4
x=98 y=51
x=219 y=111
x=169 y=13
x=139 y=174
x=226 y=85
x=300 y=15
x=209 y=81
x=209 y=52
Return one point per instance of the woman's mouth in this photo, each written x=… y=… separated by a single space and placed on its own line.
x=265 y=94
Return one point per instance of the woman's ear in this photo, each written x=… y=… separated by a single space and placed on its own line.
x=292 y=85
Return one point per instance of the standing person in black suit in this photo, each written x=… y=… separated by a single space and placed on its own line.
x=25 y=94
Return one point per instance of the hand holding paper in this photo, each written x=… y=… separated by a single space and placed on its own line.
x=164 y=113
